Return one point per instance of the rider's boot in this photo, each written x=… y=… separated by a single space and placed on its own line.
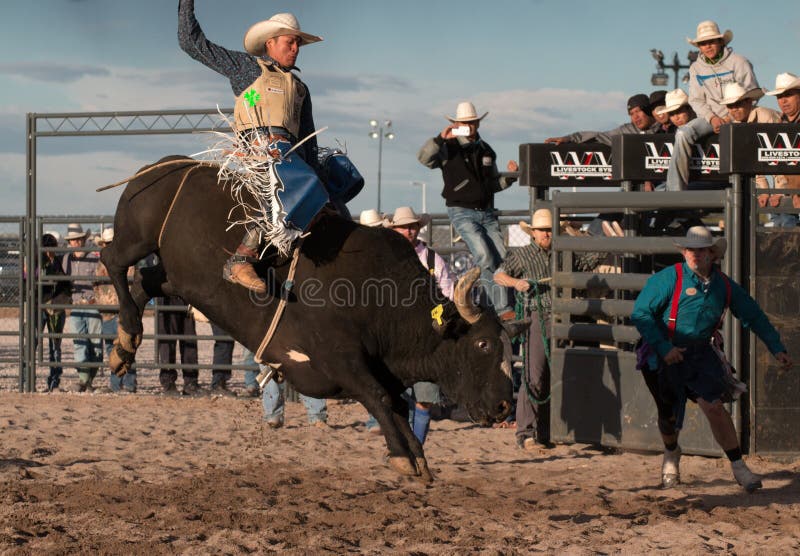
x=239 y=270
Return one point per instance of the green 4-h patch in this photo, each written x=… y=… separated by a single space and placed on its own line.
x=252 y=97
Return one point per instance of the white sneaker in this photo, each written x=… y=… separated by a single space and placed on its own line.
x=670 y=468
x=746 y=478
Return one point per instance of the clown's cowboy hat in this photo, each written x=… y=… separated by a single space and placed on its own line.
x=698 y=237
x=675 y=100
x=709 y=30
x=785 y=82
x=278 y=25
x=542 y=220
x=403 y=216
x=733 y=93
x=465 y=112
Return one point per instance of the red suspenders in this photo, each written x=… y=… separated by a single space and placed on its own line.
x=676 y=296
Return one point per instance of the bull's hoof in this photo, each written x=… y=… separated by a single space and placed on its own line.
x=403 y=465
x=120 y=361
x=425 y=474
x=128 y=342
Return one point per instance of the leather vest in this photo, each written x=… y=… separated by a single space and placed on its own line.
x=275 y=98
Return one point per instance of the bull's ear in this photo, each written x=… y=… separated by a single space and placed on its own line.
x=516 y=327
x=443 y=318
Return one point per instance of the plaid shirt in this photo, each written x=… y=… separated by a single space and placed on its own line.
x=531 y=262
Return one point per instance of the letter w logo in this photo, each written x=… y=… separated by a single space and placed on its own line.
x=781 y=141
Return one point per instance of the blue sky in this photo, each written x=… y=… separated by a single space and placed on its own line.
x=540 y=68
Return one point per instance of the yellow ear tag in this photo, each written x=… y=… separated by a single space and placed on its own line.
x=436 y=314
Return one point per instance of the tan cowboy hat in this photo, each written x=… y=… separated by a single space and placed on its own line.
x=709 y=30
x=733 y=93
x=403 y=216
x=75 y=231
x=465 y=112
x=373 y=219
x=278 y=25
x=542 y=220
x=785 y=82
x=106 y=237
x=700 y=236
x=674 y=100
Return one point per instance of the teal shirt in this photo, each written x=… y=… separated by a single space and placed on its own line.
x=698 y=314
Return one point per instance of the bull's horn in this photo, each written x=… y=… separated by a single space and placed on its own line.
x=462 y=296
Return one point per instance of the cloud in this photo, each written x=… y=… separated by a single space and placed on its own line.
x=52 y=72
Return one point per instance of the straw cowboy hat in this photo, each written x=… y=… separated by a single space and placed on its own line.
x=542 y=220
x=674 y=100
x=785 y=82
x=733 y=93
x=373 y=219
x=698 y=237
x=403 y=216
x=277 y=26
x=75 y=231
x=709 y=30
x=465 y=112
x=106 y=237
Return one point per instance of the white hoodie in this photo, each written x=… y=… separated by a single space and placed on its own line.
x=706 y=80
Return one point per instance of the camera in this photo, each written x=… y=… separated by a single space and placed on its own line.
x=461 y=131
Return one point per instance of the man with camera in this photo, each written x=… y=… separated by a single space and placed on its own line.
x=471 y=178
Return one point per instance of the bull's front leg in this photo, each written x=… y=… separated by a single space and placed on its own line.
x=406 y=455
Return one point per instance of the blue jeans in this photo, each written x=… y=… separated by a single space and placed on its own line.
x=784 y=219
x=480 y=230
x=273 y=401
x=88 y=349
x=685 y=138
x=249 y=358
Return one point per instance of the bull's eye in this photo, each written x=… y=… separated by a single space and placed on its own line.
x=484 y=346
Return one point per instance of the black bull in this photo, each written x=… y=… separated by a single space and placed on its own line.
x=358 y=321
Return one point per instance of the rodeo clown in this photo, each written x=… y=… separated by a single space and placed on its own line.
x=273 y=111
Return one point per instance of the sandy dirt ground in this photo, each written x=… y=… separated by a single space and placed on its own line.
x=146 y=474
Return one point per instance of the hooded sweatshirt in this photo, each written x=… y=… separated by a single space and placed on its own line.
x=706 y=80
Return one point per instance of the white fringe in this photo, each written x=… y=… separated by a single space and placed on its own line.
x=248 y=166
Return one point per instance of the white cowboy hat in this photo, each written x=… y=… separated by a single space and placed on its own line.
x=278 y=25
x=542 y=220
x=403 y=216
x=465 y=112
x=75 y=231
x=674 y=101
x=698 y=237
x=733 y=93
x=709 y=30
x=785 y=82
x=373 y=219
x=106 y=237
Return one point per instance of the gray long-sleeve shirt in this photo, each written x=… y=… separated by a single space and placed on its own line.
x=604 y=137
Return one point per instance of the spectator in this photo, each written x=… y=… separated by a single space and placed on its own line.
x=471 y=178
x=688 y=367
x=82 y=319
x=252 y=389
x=715 y=66
x=106 y=295
x=787 y=90
x=273 y=402
x=641 y=117
x=522 y=270
x=178 y=322
x=423 y=395
x=53 y=319
x=658 y=99
x=223 y=355
x=677 y=109
x=742 y=107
